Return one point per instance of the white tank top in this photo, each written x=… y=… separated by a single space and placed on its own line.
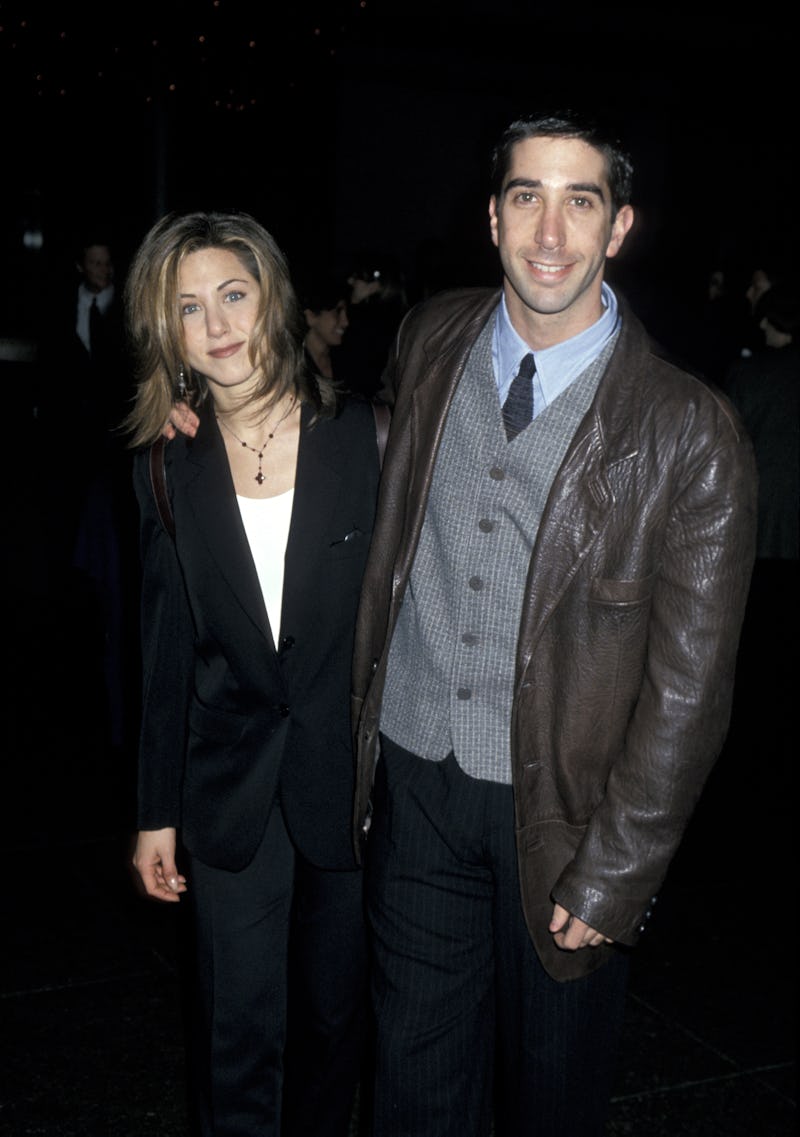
x=266 y=522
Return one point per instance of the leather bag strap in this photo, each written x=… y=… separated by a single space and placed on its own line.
x=158 y=480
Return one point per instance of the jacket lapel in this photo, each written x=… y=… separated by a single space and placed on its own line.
x=212 y=498
x=581 y=492
x=446 y=357
x=317 y=488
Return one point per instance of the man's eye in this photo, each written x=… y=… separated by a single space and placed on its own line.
x=525 y=198
x=582 y=202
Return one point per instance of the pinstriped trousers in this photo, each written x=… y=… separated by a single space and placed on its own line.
x=471 y=1030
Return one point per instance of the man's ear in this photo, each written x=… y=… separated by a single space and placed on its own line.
x=619 y=229
x=493 y=219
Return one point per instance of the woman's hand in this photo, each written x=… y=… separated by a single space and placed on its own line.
x=154 y=860
x=181 y=418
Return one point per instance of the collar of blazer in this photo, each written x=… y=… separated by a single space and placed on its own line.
x=209 y=492
x=608 y=434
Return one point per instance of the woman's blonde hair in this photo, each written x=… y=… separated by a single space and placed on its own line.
x=156 y=332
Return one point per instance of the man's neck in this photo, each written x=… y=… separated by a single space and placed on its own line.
x=541 y=330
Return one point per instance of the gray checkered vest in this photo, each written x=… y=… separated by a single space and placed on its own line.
x=450 y=678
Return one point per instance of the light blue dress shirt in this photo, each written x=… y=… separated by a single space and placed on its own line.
x=557 y=366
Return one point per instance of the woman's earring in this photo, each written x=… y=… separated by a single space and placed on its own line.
x=181 y=382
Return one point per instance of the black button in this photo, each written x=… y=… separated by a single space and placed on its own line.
x=496 y=474
x=469 y=638
x=287 y=641
x=463 y=693
x=475 y=583
x=283 y=710
x=485 y=525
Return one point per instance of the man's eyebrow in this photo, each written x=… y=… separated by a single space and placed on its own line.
x=573 y=187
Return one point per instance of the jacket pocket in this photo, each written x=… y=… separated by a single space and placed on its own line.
x=216 y=724
x=621 y=593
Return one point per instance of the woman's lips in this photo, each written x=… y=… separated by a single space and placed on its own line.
x=225 y=352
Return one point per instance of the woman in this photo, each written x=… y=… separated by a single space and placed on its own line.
x=376 y=306
x=247 y=634
x=325 y=311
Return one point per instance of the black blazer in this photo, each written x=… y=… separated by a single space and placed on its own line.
x=229 y=717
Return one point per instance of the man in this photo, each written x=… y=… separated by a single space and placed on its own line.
x=82 y=393
x=91 y=511
x=544 y=658
x=95 y=294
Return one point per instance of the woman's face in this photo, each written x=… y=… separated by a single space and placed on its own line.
x=219 y=302
x=330 y=324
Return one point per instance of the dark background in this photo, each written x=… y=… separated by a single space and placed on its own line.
x=351 y=124
x=367 y=124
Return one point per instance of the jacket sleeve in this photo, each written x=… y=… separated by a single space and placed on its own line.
x=167 y=651
x=680 y=719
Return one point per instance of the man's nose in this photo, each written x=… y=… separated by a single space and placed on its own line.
x=550 y=230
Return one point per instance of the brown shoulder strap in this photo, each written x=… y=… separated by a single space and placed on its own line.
x=158 y=480
x=383 y=417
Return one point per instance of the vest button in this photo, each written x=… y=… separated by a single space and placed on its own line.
x=469 y=638
x=284 y=711
x=496 y=474
x=463 y=693
x=475 y=583
x=485 y=525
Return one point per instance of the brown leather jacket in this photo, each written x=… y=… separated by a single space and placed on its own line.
x=630 y=623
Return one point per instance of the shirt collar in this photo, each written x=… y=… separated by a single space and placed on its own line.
x=104 y=298
x=557 y=366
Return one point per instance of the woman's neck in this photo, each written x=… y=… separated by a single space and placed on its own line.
x=261 y=442
x=246 y=415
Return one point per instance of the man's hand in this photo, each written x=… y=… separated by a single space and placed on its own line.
x=181 y=418
x=154 y=860
x=570 y=933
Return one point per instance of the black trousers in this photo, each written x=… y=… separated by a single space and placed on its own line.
x=471 y=1030
x=279 y=932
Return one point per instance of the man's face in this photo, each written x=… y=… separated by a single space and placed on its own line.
x=97 y=267
x=553 y=227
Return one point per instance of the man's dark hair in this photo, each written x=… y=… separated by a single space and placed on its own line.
x=566 y=124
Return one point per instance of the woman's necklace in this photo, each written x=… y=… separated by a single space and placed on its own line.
x=258 y=450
